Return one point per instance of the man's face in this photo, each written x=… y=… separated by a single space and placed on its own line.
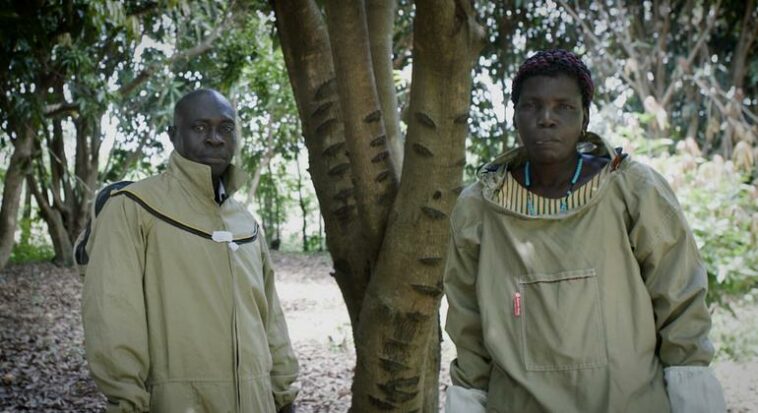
x=204 y=131
x=550 y=117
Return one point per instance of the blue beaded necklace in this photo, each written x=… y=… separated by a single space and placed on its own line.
x=564 y=202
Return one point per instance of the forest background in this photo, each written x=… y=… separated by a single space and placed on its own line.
x=88 y=87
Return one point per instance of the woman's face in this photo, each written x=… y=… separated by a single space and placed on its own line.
x=550 y=117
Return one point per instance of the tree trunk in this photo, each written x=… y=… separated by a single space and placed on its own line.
x=301 y=202
x=307 y=53
x=12 y=186
x=402 y=303
x=26 y=218
x=748 y=34
x=375 y=176
x=380 y=19
x=388 y=242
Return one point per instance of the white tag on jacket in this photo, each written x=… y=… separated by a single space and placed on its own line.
x=222 y=236
x=233 y=246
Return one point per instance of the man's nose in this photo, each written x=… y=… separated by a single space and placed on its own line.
x=215 y=137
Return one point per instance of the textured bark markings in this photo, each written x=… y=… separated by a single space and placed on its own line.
x=431 y=291
x=430 y=261
x=461 y=119
x=425 y=120
x=422 y=150
x=378 y=141
x=390 y=374
x=396 y=349
x=433 y=213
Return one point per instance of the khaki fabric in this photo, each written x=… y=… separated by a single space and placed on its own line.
x=610 y=294
x=177 y=323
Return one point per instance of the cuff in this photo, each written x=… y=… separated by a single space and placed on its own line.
x=121 y=406
x=462 y=400
x=286 y=396
x=693 y=389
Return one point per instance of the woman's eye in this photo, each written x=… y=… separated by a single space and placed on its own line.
x=565 y=106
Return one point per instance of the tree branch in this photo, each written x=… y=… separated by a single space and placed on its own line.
x=693 y=52
x=200 y=48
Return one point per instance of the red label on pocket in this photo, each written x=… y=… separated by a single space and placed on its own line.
x=517 y=304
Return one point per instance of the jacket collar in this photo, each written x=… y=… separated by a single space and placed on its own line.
x=492 y=174
x=197 y=177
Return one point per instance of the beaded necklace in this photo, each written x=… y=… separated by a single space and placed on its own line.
x=564 y=202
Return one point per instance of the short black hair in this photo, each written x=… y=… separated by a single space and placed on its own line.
x=552 y=63
x=184 y=100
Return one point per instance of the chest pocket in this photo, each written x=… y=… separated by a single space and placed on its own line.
x=562 y=321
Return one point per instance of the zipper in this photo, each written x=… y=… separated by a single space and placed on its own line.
x=236 y=359
x=235 y=330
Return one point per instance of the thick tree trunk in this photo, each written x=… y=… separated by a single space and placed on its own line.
x=374 y=172
x=12 y=186
x=307 y=53
x=392 y=239
x=402 y=302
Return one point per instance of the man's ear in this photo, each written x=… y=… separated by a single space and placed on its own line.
x=172 y=133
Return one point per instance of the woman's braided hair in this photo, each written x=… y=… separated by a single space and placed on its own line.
x=551 y=63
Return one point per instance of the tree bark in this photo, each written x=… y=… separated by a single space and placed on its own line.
x=402 y=302
x=12 y=186
x=62 y=245
x=308 y=56
x=380 y=20
x=365 y=135
x=748 y=34
x=301 y=202
x=393 y=241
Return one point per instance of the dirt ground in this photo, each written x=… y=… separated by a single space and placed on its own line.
x=42 y=365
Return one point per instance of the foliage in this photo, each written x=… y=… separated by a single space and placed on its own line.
x=34 y=248
x=734 y=334
x=721 y=206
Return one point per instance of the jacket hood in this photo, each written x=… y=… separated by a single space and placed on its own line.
x=491 y=174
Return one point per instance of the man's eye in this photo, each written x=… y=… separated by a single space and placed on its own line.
x=565 y=106
x=199 y=128
x=227 y=128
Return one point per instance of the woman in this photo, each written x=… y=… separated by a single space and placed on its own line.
x=573 y=280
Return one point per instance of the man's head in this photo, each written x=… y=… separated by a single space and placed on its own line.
x=204 y=129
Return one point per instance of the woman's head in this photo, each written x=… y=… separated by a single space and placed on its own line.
x=551 y=93
x=553 y=63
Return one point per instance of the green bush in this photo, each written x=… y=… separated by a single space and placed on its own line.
x=33 y=246
x=721 y=208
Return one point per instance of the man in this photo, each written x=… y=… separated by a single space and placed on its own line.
x=180 y=309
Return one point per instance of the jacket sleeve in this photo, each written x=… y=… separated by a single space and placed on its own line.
x=113 y=310
x=470 y=371
x=676 y=280
x=285 y=368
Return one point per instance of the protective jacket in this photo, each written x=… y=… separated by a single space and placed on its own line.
x=180 y=309
x=594 y=310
